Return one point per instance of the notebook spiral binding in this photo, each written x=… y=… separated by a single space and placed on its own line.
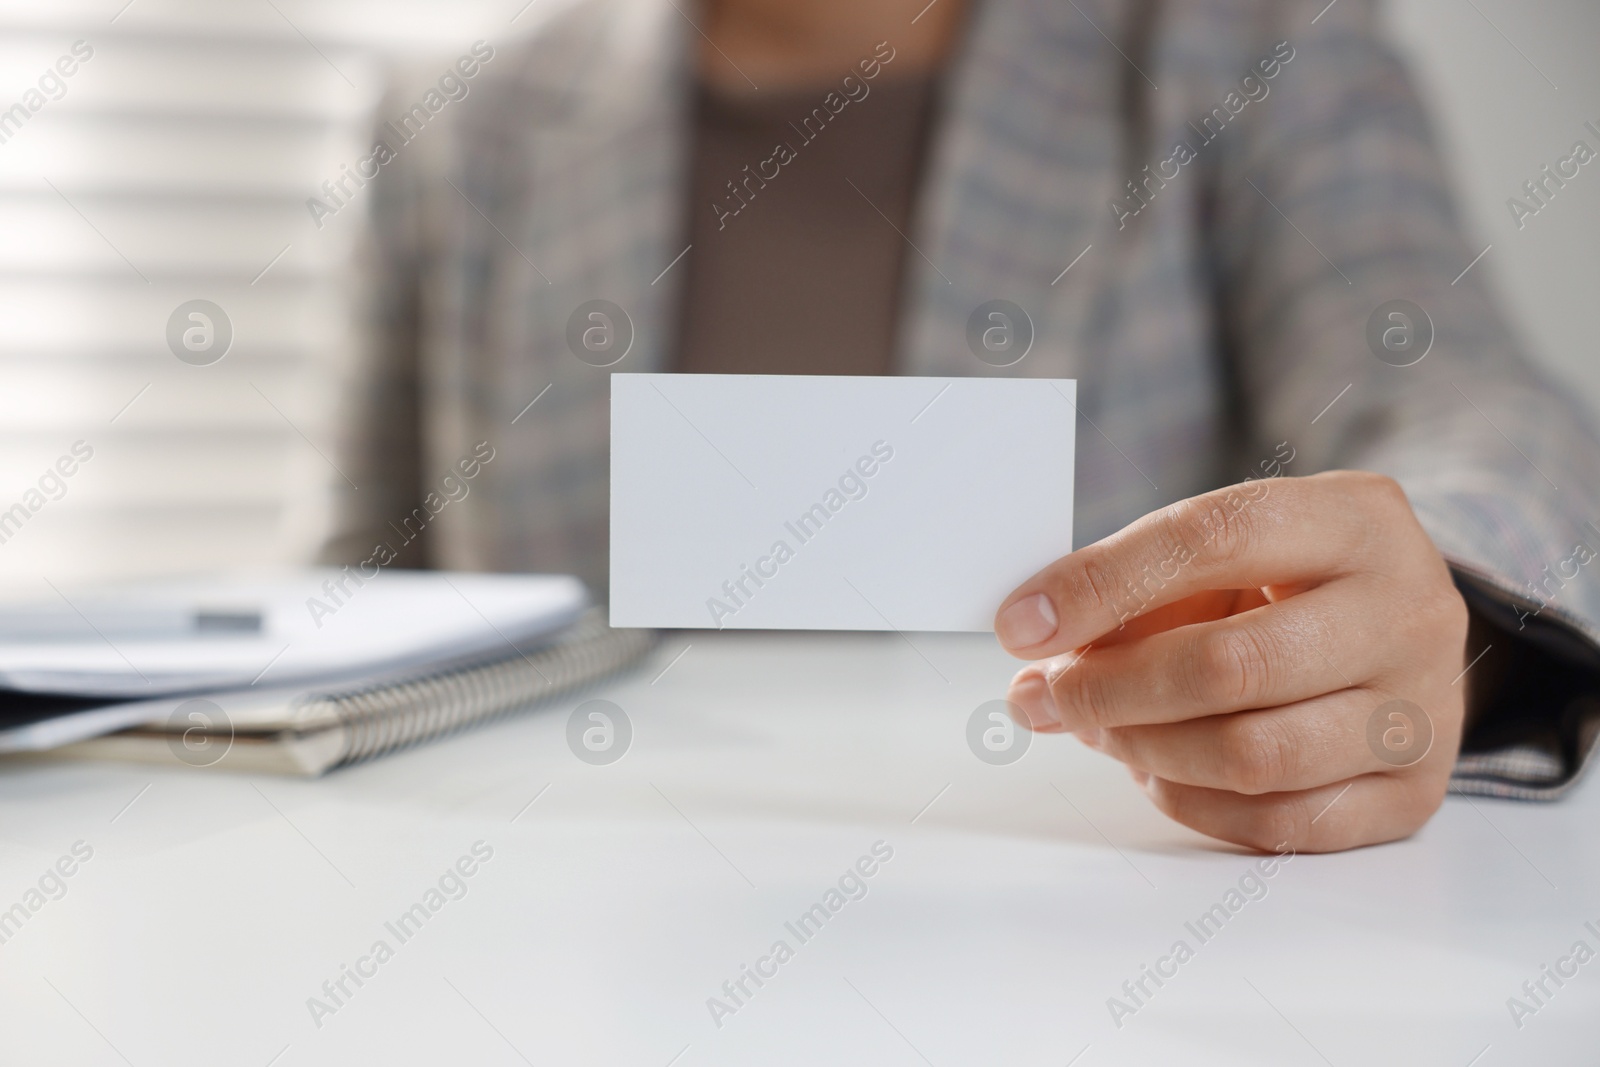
x=384 y=718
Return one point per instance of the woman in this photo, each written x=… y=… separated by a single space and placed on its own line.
x=1226 y=219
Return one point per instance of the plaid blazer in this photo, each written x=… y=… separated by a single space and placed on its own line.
x=1215 y=313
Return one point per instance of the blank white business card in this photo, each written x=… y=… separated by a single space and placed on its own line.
x=834 y=503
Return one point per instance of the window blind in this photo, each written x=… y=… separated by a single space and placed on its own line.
x=154 y=154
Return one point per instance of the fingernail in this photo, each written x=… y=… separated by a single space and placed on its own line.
x=1139 y=777
x=1030 y=693
x=1027 y=622
x=1090 y=737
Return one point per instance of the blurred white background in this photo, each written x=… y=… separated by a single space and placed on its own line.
x=177 y=163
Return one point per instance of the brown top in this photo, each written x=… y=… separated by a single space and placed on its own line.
x=793 y=270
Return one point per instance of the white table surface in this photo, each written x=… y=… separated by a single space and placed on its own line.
x=763 y=766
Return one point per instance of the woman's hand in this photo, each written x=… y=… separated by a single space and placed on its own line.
x=1277 y=662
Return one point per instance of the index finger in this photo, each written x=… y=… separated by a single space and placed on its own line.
x=1244 y=536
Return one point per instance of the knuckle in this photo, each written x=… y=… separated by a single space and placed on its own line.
x=1423 y=796
x=1368 y=504
x=1438 y=617
x=1226 y=667
x=1382 y=488
x=1175 y=527
x=1093 y=584
x=1385 y=500
x=1358 y=480
x=1121 y=743
x=1279 y=822
x=1179 y=806
x=1082 y=695
x=1257 y=755
x=1218 y=525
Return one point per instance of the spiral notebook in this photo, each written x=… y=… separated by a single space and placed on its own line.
x=309 y=731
